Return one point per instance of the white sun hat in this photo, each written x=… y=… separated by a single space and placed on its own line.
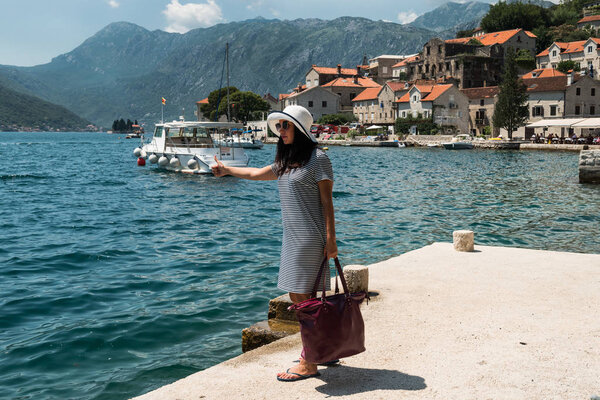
x=297 y=115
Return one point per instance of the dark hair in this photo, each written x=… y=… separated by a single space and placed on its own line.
x=297 y=154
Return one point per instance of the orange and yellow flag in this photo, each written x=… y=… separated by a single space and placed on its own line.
x=164 y=101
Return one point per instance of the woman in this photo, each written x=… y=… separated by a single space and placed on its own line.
x=305 y=181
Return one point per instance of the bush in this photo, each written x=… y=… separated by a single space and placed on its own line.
x=425 y=126
x=336 y=119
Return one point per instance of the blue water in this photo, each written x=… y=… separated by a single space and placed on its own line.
x=116 y=279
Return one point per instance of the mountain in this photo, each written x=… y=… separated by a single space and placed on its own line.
x=123 y=70
x=541 y=3
x=450 y=15
x=20 y=111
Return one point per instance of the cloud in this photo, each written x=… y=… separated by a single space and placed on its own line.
x=183 y=17
x=255 y=4
x=275 y=13
x=406 y=17
x=113 y=4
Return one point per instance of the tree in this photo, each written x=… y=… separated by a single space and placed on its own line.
x=243 y=105
x=503 y=16
x=511 y=109
x=214 y=99
x=337 y=119
x=567 y=65
x=524 y=59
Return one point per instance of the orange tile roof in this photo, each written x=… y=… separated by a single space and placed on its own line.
x=568 y=47
x=396 y=86
x=543 y=73
x=334 y=70
x=368 y=94
x=481 y=92
x=203 y=101
x=406 y=61
x=589 y=19
x=283 y=96
x=489 y=39
x=428 y=92
x=349 y=82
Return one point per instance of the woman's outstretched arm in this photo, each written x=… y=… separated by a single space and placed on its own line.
x=254 y=174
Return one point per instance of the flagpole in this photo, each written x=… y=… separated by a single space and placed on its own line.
x=162 y=113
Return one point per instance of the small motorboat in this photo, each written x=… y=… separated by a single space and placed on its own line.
x=459 y=142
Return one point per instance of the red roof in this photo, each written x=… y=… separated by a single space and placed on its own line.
x=542 y=73
x=203 y=101
x=334 y=70
x=554 y=84
x=397 y=86
x=405 y=61
x=481 y=92
x=349 y=82
x=568 y=47
x=591 y=18
x=283 y=96
x=428 y=92
x=368 y=94
x=492 y=38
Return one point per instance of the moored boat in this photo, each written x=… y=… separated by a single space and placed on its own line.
x=459 y=142
x=189 y=147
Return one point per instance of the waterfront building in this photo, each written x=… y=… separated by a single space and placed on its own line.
x=389 y=94
x=366 y=106
x=318 y=76
x=444 y=103
x=198 y=113
x=318 y=100
x=559 y=97
x=348 y=88
x=585 y=53
x=482 y=103
x=472 y=61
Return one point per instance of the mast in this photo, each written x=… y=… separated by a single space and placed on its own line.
x=227 y=63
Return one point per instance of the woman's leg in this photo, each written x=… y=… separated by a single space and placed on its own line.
x=304 y=367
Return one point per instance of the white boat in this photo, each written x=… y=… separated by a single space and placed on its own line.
x=242 y=141
x=459 y=142
x=189 y=147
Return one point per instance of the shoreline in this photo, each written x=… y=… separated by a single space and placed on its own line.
x=424 y=141
x=496 y=322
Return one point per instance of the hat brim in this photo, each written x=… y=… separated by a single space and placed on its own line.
x=274 y=118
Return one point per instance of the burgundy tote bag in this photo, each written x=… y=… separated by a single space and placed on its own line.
x=332 y=326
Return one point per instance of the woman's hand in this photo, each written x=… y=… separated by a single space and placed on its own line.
x=331 y=250
x=219 y=169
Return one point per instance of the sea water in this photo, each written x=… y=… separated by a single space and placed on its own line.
x=117 y=279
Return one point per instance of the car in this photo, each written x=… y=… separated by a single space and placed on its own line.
x=326 y=129
x=316 y=129
x=596 y=140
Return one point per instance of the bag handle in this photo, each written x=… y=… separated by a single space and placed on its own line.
x=339 y=272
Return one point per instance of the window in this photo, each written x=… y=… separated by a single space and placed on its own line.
x=439 y=49
x=428 y=50
x=537 y=111
x=519 y=39
x=403 y=114
x=323 y=104
x=578 y=91
x=553 y=53
x=372 y=115
x=593 y=91
x=577 y=110
x=310 y=103
x=415 y=98
x=384 y=70
x=589 y=49
x=552 y=110
x=592 y=110
x=352 y=95
x=481 y=102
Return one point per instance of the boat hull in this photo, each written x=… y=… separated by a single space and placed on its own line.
x=230 y=157
x=458 y=146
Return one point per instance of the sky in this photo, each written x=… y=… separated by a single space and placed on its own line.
x=35 y=31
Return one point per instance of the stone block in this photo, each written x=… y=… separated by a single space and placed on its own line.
x=463 y=240
x=589 y=166
x=278 y=309
x=357 y=278
x=265 y=332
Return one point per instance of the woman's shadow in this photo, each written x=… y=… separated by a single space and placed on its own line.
x=344 y=381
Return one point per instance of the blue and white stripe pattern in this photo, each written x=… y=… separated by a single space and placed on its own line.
x=304 y=232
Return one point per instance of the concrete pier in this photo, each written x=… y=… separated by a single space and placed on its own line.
x=496 y=323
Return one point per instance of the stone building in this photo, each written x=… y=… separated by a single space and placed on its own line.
x=401 y=68
x=389 y=94
x=470 y=62
x=348 y=88
x=482 y=102
x=366 y=106
x=585 y=53
x=318 y=100
x=444 y=103
x=318 y=76
x=380 y=68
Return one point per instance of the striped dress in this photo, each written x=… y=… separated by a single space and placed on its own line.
x=304 y=232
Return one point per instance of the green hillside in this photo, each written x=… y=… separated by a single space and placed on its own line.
x=20 y=112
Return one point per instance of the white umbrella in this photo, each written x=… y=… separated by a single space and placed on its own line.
x=374 y=127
